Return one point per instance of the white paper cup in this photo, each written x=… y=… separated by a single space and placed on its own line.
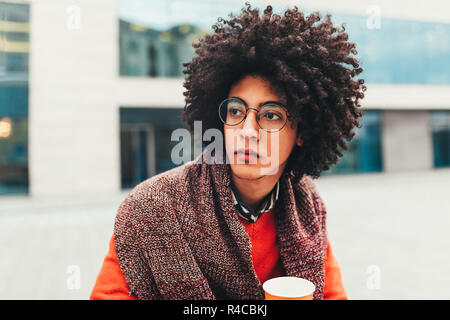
x=289 y=288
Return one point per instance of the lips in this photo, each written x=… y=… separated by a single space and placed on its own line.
x=247 y=152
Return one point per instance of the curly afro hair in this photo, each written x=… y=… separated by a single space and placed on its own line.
x=305 y=59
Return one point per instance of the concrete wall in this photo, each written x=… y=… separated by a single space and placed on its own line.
x=406 y=141
x=73 y=118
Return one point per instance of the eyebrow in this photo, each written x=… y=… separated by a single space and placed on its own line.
x=262 y=103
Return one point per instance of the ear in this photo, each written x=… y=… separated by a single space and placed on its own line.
x=299 y=140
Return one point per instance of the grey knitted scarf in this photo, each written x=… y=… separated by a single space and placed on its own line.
x=178 y=235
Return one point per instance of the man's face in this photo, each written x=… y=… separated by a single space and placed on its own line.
x=273 y=148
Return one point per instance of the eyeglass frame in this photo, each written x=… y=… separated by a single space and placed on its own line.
x=247 y=108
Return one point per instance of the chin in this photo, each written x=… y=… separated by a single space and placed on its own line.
x=252 y=171
x=246 y=171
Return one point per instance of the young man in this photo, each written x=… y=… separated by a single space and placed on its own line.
x=278 y=90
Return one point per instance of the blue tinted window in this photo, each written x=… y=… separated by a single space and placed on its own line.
x=145 y=142
x=440 y=127
x=365 y=153
x=401 y=51
x=14 y=24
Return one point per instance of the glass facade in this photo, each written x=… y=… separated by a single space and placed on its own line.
x=148 y=52
x=440 y=127
x=145 y=142
x=365 y=152
x=155 y=39
x=401 y=51
x=14 y=52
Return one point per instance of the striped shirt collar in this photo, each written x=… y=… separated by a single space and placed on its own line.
x=247 y=213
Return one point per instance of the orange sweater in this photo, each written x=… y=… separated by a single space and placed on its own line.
x=111 y=283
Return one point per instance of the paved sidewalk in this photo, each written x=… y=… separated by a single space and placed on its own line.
x=53 y=251
x=389 y=233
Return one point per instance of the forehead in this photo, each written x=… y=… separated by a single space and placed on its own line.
x=256 y=89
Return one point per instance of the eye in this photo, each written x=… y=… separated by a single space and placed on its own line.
x=271 y=115
x=235 y=111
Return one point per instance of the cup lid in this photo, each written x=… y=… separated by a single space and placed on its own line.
x=289 y=287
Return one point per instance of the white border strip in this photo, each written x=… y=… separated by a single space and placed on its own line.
x=168 y=93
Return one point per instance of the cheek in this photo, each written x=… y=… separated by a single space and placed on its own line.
x=229 y=137
x=281 y=146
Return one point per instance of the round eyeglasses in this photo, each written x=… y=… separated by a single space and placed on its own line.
x=271 y=116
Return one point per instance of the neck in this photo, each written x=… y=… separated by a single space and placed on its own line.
x=254 y=190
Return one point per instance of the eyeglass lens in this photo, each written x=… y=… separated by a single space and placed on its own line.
x=270 y=116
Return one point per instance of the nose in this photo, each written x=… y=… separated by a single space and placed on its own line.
x=250 y=129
